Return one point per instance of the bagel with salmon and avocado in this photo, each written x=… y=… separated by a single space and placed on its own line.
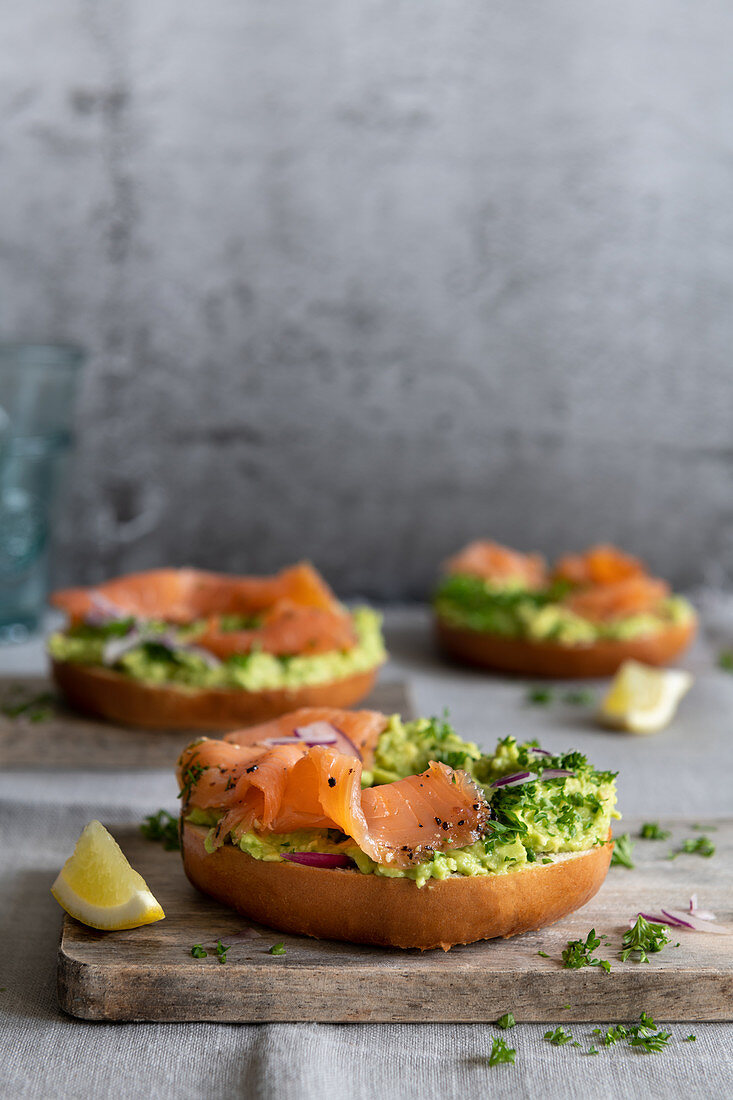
x=357 y=826
x=187 y=649
x=507 y=611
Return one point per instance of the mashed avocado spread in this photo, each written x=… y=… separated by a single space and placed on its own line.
x=518 y=612
x=536 y=822
x=256 y=671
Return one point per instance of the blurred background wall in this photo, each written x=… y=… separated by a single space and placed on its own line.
x=362 y=279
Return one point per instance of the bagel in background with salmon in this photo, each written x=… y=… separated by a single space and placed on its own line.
x=187 y=649
x=504 y=610
x=356 y=826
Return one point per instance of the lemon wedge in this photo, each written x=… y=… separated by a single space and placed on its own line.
x=99 y=887
x=643 y=699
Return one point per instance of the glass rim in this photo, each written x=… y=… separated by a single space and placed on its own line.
x=40 y=354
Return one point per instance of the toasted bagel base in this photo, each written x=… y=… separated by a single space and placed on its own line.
x=550 y=659
x=119 y=698
x=392 y=912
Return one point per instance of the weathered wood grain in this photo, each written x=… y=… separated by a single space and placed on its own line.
x=65 y=739
x=149 y=974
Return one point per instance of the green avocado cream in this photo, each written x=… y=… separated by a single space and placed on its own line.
x=515 y=612
x=256 y=671
x=539 y=821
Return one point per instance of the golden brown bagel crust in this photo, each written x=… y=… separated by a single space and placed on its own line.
x=347 y=905
x=129 y=702
x=530 y=658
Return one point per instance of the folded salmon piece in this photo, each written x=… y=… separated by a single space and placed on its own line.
x=493 y=562
x=279 y=788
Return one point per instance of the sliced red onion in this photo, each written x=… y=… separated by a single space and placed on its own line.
x=693 y=921
x=703 y=914
x=347 y=745
x=679 y=918
x=541 y=752
x=321 y=733
x=115 y=648
x=318 y=859
x=272 y=741
x=514 y=780
x=530 y=777
x=104 y=611
x=171 y=643
x=652 y=917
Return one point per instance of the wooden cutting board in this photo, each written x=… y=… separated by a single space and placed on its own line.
x=149 y=974
x=51 y=735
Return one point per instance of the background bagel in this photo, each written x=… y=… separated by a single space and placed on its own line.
x=119 y=698
x=541 y=658
x=392 y=912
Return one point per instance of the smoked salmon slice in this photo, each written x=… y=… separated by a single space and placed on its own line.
x=605 y=602
x=609 y=584
x=186 y=595
x=294 y=612
x=493 y=562
x=279 y=788
x=602 y=564
x=362 y=727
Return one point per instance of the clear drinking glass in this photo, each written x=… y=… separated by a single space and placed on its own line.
x=37 y=390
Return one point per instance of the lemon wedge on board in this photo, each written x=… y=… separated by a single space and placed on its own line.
x=642 y=699
x=99 y=887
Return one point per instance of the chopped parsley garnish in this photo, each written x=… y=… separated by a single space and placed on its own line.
x=198 y=952
x=559 y=1037
x=543 y=954
x=221 y=951
x=36 y=709
x=650 y=1042
x=580 y=698
x=591 y=1050
x=725 y=660
x=705 y=828
x=650 y=830
x=540 y=696
x=612 y=1036
x=277 y=949
x=505 y=1021
x=577 y=954
x=623 y=848
x=690 y=1039
x=643 y=1036
x=500 y=1053
x=646 y=937
x=163 y=827
x=701 y=846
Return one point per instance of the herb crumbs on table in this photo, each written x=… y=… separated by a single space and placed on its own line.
x=540 y=696
x=162 y=826
x=198 y=951
x=622 y=851
x=646 y=937
x=700 y=845
x=577 y=954
x=276 y=949
x=501 y=1053
x=650 y=830
x=507 y=1020
x=559 y=1037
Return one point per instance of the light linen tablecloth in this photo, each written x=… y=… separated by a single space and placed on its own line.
x=686 y=770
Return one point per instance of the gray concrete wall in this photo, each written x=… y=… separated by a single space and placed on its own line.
x=361 y=279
